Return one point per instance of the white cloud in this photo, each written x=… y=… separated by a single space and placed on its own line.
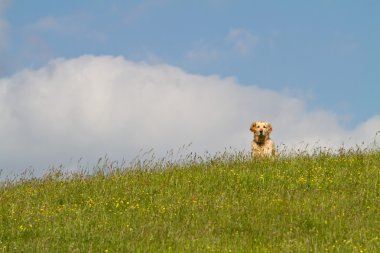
x=237 y=43
x=142 y=10
x=204 y=52
x=91 y=106
x=76 y=26
x=243 y=41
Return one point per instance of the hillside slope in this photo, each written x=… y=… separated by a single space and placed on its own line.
x=226 y=203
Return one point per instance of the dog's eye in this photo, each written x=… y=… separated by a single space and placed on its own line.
x=264 y=126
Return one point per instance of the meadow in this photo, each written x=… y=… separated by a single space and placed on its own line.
x=321 y=202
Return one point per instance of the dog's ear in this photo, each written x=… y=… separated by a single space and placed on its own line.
x=269 y=125
x=253 y=125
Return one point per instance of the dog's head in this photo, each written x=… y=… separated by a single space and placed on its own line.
x=261 y=131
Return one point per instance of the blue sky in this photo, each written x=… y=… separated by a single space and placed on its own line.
x=324 y=54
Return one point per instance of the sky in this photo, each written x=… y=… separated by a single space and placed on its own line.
x=84 y=79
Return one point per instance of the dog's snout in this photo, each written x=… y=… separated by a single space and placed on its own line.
x=261 y=132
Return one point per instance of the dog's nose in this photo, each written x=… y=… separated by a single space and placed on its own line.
x=261 y=131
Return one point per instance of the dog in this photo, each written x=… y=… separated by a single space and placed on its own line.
x=262 y=145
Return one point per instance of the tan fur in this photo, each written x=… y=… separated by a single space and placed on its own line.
x=262 y=145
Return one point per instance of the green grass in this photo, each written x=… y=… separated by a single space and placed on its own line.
x=226 y=203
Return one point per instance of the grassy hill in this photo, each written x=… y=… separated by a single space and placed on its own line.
x=226 y=203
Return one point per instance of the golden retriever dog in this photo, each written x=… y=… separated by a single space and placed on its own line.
x=262 y=145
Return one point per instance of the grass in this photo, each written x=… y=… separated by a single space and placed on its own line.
x=225 y=203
